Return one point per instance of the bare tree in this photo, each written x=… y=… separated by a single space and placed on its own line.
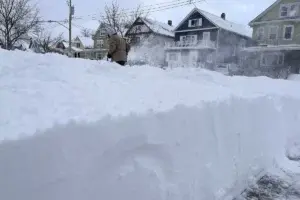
x=120 y=20
x=17 y=18
x=86 y=32
x=45 y=39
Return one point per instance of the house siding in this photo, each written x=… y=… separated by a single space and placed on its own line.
x=280 y=36
x=199 y=33
x=205 y=23
x=273 y=14
x=230 y=45
x=132 y=32
x=97 y=36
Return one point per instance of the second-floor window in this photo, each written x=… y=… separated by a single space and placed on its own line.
x=288 y=32
x=260 y=33
x=195 y=22
x=100 y=43
x=273 y=31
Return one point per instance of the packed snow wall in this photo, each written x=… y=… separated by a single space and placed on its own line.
x=111 y=132
x=184 y=153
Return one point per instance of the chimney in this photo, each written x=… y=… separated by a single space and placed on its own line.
x=170 y=22
x=223 y=16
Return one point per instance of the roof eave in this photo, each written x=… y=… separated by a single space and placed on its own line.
x=264 y=12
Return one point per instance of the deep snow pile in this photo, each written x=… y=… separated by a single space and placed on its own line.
x=109 y=132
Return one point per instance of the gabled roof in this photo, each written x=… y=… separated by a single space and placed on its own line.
x=87 y=42
x=220 y=23
x=266 y=11
x=157 y=27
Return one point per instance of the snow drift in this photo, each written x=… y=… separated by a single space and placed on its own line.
x=78 y=129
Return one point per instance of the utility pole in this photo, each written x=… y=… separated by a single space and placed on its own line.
x=71 y=13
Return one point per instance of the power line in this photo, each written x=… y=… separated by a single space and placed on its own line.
x=170 y=4
x=140 y=7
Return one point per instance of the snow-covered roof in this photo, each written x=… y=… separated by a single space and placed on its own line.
x=227 y=25
x=86 y=41
x=221 y=23
x=159 y=27
x=66 y=44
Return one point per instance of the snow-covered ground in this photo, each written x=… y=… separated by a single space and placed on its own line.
x=78 y=129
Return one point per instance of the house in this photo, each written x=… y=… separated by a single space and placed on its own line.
x=148 y=38
x=86 y=44
x=63 y=47
x=143 y=28
x=277 y=33
x=206 y=40
x=100 y=40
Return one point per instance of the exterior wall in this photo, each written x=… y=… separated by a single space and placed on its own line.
x=199 y=58
x=138 y=27
x=280 y=37
x=100 y=35
x=273 y=14
x=230 y=45
x=77 y=41
x=195 y=15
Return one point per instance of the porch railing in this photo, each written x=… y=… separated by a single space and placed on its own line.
x=192 y=44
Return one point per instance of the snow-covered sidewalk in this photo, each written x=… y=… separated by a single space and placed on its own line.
x=107 y=132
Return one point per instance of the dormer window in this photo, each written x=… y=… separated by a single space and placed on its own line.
x=195 y=22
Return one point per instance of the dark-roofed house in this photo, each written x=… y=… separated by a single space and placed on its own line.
x=143 y=28
x=206 y=40
x=148 y=38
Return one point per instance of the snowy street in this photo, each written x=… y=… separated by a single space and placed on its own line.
x=79 y=129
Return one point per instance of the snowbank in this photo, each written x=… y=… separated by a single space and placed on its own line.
x=108 y=132
x=294 y=77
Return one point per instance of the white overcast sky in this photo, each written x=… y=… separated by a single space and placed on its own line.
x=239 y=11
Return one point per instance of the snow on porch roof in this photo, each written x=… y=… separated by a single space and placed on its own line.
x=159 y=27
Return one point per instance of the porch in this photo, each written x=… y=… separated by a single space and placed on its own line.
x=194 y=44
x=275 y=61
x=191 y=58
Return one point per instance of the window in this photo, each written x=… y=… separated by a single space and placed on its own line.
x=293 y=10
x=269 y=59
x=288 y=32
x=243 y=43
x=100 y=44
x=209 y=58
x=283 y=11
x=172 y=57
x=78 y=45
x=273 y=31
x=195 y=22
x=206 y=36
x=102 y=33
x=289 y=10
x=260 y=33
x=188 y=38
